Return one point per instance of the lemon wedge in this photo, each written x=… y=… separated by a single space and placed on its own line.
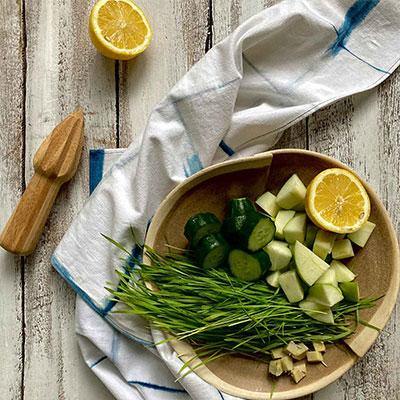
x=119 y=29
x=337 y=201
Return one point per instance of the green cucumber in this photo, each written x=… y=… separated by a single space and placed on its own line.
x=267 y=202
x=273 y=279
x=200 y=225
x=241 y=206
x=292 y=193
x=323 y=243
x=343 y=274
x=342 y=249
x=295 y=229
x=325 y=294
x=246 y=266
x=232 y=226
x=281 y=220
x=317 y=311
x=329 y=277
x=310 y=235
x=351 y=291
x=211 y=251
x=309 y=266
x=361 y=236
x=291 y=286
x=279 y=254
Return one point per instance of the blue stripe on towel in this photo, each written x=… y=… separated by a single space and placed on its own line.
x=227 y=149
x=96 y=164
x=354 y=17
x=98 y=361
x=157 y=387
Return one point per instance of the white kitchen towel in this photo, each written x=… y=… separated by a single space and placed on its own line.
x=275 y=69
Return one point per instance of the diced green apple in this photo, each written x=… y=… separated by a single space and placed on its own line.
x=323 y=243
x=273 y=279
x=281 y=220
x=292 y=193
x=351 y=291
x=295 y=229
x=279 y=254
x=325 y=294
x=342 y=249
x=291 y=286
x=317 y=311
x=361 y=236
x=309 y=266
x=328 y=277
x=343 y=274
x=267 y=202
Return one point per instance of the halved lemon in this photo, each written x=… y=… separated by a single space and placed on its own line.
x=119 y=29
x=337 y=201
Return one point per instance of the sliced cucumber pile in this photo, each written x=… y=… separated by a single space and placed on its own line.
x=281 y=245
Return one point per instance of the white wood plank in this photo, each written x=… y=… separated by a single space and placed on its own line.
x=63 y=71
x=363 y=132
x=180 y=31
x=11 y=139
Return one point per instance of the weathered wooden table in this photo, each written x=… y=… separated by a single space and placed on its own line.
x=48 y=67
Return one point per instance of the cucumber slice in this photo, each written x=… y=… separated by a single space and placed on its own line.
x=325 y=294
x=248 y=267
x=292 y=193
x=328 y=277
x=317 y=311
x=279 y=254
x=309 y=266
x=281 y=220
x=258 y=233
x=232 y=226
x=291 y=286
x=343 y=274
x=295 y=229
x=361 y=236
x=241 y=206
x=200 y=225
x=342 y=249
x=211 y=251
x=273 y=279
x=268 y=203
x=323 y=243
x=310 y=235
x=351 y=291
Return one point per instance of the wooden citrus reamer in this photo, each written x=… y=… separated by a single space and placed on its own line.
x=55 y=163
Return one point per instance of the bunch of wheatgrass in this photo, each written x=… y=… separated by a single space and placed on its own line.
x=220 y=314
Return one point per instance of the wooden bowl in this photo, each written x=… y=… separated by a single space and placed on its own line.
x=377 y=265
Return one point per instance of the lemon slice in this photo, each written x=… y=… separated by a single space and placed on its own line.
x=119 y=29
x=337 y=201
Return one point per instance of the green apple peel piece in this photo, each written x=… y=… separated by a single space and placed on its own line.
x=282 y=218
x=351 y=291
x=317 y=311
x=342 y=249
x=309 y=266
x=295 y=229
x=273 y=279
x=361 y=236
x=329 y=277
x=343 y=274
x=267 y=202
x=325 y=294
x=323 y=243
x=292 y=193
x=279 y=254
x=291 y=286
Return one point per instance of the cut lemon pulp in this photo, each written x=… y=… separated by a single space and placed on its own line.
x=337 y=201
x=119 y=29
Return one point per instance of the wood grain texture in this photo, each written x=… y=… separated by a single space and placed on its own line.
x=11 y=144
x=363 y=132
x=180 y=31
x=63 y=71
